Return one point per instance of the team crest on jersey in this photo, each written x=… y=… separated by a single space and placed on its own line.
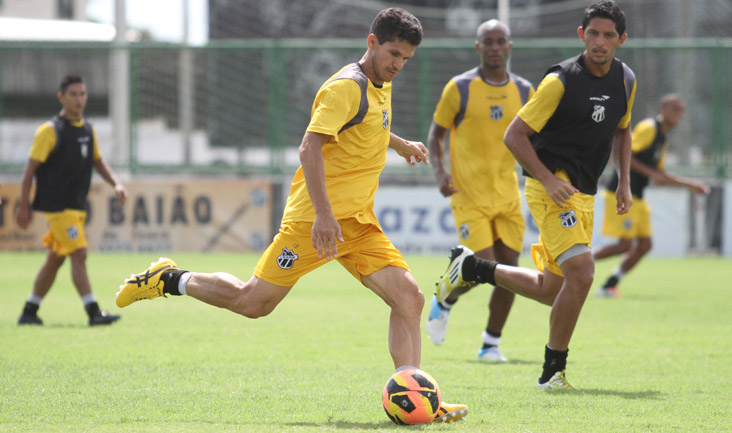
x=286 y=259
x=386 y=118
x=598 y=115
x=464 y=232
x=568 y=219
x=84 y=146
x=72 y=232
x=496 y=112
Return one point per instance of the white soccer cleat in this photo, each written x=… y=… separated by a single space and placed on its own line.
x=437 y=322
x=491 y=354
x=558 y=381
x=453 y=277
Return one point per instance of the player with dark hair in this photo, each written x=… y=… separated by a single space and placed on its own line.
x=563 y=138
x=477 y=106
x=633 y=229
x=64 y=151
x=330 y=210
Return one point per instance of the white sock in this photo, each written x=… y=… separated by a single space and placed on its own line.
x=489 y=339
x=88 y=299
x=618 y=273
x=183 y=283
x=404 y=367
x=33 y=299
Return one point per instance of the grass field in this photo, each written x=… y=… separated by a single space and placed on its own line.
x=657 y=360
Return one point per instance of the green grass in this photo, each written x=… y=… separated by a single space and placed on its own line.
x=658 y=360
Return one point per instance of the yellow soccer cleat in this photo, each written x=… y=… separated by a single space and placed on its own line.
x=146 y=285
x=450 y=412
x=453 y=277
x=558 y=381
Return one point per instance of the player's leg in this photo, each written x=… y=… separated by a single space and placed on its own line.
x=253 y=299
x=397 y=287
x=621 y=246
x=80 y=278
x=499 y=306
x=578 y=275
x=41 y=285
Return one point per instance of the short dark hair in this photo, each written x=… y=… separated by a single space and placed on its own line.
x=396 y=23
x=605 y=9
x=69 y=80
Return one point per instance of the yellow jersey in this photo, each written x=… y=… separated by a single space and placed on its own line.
x=356 y=114
x=478 y=113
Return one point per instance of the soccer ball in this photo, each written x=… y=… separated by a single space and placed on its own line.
x=411 y=396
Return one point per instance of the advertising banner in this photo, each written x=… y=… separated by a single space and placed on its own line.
x=197 y=216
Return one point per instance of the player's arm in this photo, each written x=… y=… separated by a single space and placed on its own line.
x=412 y=151
x=621 y=152
x=108 y=175
x=326 y=229
x=23 y=214
x=663 y=178
x=436 y=143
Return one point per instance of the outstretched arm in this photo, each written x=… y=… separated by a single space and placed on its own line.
x=436 y=143
x=22 y=216
x=517 y=140
x=412 y=151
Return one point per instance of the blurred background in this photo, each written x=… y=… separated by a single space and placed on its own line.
x=188 y=90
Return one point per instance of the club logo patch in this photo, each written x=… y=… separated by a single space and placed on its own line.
x=568 y=219
x=72 y=232
x=286 y=259
x=496 y=112
x=599 y=114
x=627 y=224
x=386 y=118
x=464 y=232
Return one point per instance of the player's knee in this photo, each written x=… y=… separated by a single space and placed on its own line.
x=625 y=245
x=410 y=300
x=644 y=246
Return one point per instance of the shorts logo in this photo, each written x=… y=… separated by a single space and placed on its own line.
x=286 y=259
x=568 y=219
x=464 y=232
x=627 y=224
x=599 y=114
x=496 y=112
x=72 y=232
x=386 y=118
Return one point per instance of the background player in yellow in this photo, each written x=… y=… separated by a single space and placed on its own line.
x=329 y=212
x=633 y=230
x=476 y=107
x=563 y=139
x=62 y=156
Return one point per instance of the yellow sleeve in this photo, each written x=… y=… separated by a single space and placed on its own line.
x=43 y=142
x=448 y=106
x=625 y=120
x=97 y=151
x=543 y=103
x=643 y=135
x=662 y=160
x=335 y=104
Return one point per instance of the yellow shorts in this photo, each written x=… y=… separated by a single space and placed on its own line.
x=560 y=229
x=480 y=227
x=365 y=250
x=66 y=231
x=634 y=224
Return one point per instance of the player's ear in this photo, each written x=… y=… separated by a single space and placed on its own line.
x=622 y=39
x=372 y=41
x=581 y=33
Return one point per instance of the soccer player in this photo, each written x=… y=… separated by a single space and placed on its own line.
x=63 y=153
x=563 y=138
x=477 y=106
x=329 y=213
x=633 y=230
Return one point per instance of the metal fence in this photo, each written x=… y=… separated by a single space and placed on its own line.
x=241 y=107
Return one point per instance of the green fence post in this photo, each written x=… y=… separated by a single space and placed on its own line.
x=720 y=111
x=276 y=100
x=424 y=87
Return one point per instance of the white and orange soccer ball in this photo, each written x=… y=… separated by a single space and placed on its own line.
x=411 y=396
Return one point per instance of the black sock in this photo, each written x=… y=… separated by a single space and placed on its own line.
x=92 y=309
x=479 y=270
x=611 y=282
x=30 y=309
x=554 y=361
x=171 y=278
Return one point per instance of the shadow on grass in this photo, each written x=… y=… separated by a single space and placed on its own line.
x=628 y=395
x=509 y=362
x=347 y=425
